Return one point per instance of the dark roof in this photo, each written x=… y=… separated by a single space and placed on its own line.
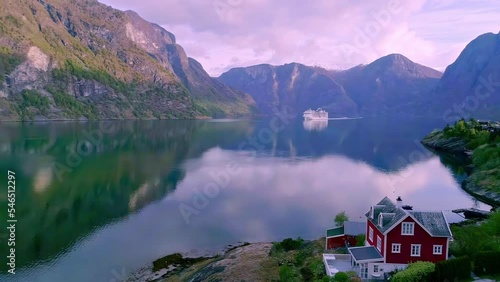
x=387 y=218
x=335 y=231
x=354 y=228
x=386 y=206
x=365 y=253
x=434 y=222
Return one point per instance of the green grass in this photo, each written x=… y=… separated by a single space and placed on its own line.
x=472 y=238
x=486 y=152
x=73 y=68
x=301 y=260
x=30 y=103
x=8 y=62
x=71 y=106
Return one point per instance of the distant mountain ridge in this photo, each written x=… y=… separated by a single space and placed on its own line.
x=377 y=88
x=69 y=59
x=294 y=87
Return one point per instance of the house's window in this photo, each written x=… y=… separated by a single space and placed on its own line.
x=370 y=233
x=415 y=250
x=375 y=268
x=407 y=228
x=379 y=243
x=396 y=248
x=438 y=250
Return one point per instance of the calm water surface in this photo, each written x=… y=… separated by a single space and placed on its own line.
x=135 y=191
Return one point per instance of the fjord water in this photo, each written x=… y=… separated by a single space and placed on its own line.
x=135 y=191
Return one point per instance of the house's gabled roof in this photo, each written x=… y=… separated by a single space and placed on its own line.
x=386 y=206
x=434 y=222
x=354 y=228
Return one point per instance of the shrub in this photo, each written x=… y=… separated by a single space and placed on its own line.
x=29 y=103
x=289 y=244
x=317 y=267
x=8 y=63
x=287 y=274
x=487 y=262
x=98 y=75
x=71 y=105
x=307 y=274
x=418 y=271
x=301 y=257
x=360 y=240
x=340 y=218
x=453 y=269
x=176 y=259
x=341 y=277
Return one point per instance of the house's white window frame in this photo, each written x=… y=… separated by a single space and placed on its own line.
x=417 y=247
x=410 y=227
x=396 y=248
x=379 y=243
x=375 y=268
x=437 y=249
x=370 y=233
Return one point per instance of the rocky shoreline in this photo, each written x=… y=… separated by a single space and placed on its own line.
x=243 y=262
x=457 y=148
x=260 y=261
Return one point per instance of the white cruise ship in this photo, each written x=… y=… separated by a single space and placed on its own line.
x=319 y=114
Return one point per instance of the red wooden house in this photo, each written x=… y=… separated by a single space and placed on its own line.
x=396 y=237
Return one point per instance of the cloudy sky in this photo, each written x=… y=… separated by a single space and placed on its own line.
x=333 y=34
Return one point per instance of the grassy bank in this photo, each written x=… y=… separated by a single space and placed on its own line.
x=481 y=143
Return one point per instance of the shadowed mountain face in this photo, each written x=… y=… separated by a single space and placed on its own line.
x=83 y=59
x=470 y=87
x=387 y=83
x=292 y=86
x=378 y=88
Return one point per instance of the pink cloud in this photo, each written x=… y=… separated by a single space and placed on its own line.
x=318 y=32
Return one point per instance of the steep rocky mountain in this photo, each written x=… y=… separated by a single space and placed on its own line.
x=294 y=87
x=385 y=85
x=470 y=87
x=378 y=88
x=82 y=59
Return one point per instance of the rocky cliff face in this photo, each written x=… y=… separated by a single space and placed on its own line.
x=378 y=88
x=470 y=87
x=107 y=63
